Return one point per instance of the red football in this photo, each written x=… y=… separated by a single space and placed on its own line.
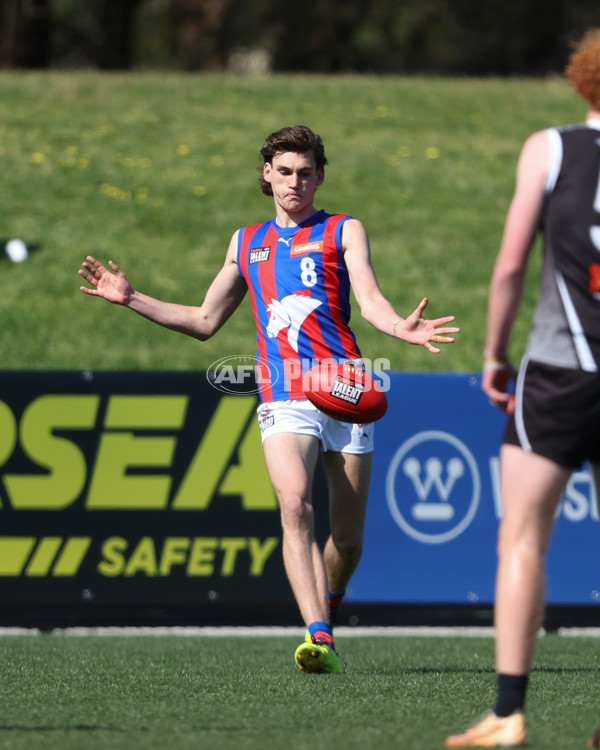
x=344 y=392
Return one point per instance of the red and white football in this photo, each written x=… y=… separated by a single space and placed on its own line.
x=344 y=392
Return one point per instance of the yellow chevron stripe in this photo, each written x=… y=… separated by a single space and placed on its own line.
x=72 y=556
x=44 y=555
x=14 y=551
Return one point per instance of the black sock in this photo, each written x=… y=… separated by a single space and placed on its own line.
x=511 y=693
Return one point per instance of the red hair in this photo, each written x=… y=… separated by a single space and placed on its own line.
x=583 y=69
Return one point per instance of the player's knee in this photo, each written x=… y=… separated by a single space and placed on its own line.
x=521 y=544
x=296 y=511
x=348 y=545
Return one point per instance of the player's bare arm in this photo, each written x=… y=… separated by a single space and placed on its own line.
x=376 y=309
x=506 y=287
x=223 y=297
x=519 y=233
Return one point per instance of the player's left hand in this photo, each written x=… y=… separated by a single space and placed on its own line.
x=109 y=283
x=416 y=329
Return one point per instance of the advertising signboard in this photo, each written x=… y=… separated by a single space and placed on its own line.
x=133 y=487
x=434 y=504
x=149 y=490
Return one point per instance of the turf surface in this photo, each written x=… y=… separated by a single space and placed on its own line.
x=231 y=693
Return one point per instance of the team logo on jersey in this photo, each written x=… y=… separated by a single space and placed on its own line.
x=307 y=247
x=259 y=254
x=290 y=313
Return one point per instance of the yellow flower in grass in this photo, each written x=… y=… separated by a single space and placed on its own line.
x=99 y=131
x=381 y=111
x=71 y=160
x=133 y=162
x=37 y=157
x=183 y=149
x=432 y=152
x=141 y=195
x=395 y=159
x=115 y=193
x=200 y=191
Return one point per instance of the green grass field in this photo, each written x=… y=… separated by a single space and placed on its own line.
x=235 y=693
x=158 y=171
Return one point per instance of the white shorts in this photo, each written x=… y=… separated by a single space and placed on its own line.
x=302 y=418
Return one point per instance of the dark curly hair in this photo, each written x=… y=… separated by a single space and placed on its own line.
x=298 y=139
x=583 y=69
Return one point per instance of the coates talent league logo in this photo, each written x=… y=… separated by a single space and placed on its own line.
x=433 y=487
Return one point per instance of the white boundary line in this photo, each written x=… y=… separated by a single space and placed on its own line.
x=251 y=632
x=254 y=632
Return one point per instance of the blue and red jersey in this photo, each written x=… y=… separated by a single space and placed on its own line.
x=300 y=293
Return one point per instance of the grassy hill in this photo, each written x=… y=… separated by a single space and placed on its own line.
x=157 y=171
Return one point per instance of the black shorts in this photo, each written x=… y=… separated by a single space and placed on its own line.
x=557 y=414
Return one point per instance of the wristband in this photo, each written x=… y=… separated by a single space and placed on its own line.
x=495 y=364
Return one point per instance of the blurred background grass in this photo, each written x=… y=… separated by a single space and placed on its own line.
x=156 y=171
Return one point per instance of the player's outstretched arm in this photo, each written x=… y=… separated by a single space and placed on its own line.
x=223 y=297
x=376 y=309
x=112 y=285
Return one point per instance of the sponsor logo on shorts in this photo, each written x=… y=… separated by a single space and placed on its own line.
x=307 y=247
x=259 y=254
x=266 y=419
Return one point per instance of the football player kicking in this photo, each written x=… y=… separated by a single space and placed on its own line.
x=298 y=268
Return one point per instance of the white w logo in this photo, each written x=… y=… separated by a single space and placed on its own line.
x=290 y=313
x=428 y=511
x=433 y=476
x=419 y=486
